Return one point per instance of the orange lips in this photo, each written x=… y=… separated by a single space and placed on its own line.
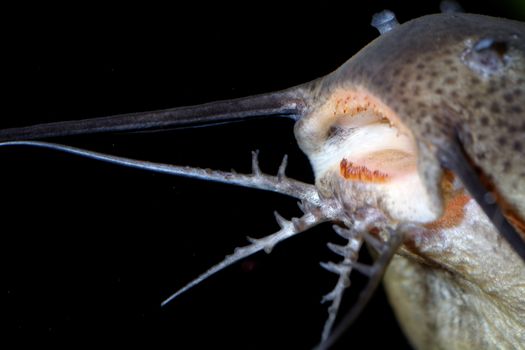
x=361 y=173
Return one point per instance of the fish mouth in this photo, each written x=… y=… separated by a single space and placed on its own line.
x=355 y=139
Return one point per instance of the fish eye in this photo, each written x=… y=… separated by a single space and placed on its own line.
x=487 y=56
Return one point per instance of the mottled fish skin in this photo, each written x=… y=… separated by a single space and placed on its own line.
x=421 y=71
x=455 y=283
x=447 y=76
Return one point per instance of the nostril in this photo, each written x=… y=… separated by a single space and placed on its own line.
x=384 y=21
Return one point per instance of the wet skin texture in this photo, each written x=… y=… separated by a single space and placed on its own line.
x=451 y=76
x=149 y=193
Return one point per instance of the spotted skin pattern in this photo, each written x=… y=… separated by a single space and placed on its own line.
x=442 y=78
x=428 y=82
x=375 y=131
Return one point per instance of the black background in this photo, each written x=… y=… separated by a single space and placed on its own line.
x=89 y=250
